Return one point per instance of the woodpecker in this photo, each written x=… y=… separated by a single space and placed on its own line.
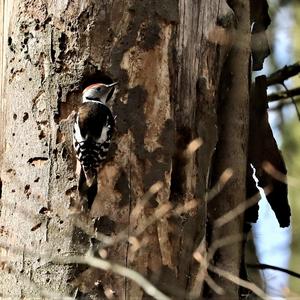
x=93 y=129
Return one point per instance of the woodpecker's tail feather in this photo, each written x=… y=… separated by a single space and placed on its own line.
x=91 y=177
x=87 y=187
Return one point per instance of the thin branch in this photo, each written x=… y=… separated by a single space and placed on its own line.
x=283 y=94
x=283 y=74
x=266 y=266
x=219 y=186
x=105 y=265
x=240 y=208
x=284 y=103
x=238 y=281
x=271 y=170
x=293 y=100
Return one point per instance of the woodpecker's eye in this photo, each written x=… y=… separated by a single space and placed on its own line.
x=99 y=89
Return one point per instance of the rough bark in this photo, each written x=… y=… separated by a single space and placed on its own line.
x=231 y=151
x=167 y=57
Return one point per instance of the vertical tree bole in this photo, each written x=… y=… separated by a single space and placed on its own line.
x=167 y=57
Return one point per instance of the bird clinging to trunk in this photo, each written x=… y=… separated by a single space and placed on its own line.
x=93 y=129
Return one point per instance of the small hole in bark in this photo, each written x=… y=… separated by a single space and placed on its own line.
x=25 y=116
x=47 y=280
x=71 y=190
x=35 y=227
x=37 y=179
x=42 y=135
x=13 y=134
x=15 y=116
x=13 y=191
x=58 y=250
x=26 y=188
x=30 y=79
x=61 y=222
x=48 y=20
x=63 y=39
x=105 y=225
x=43 y=210
x=64 y=153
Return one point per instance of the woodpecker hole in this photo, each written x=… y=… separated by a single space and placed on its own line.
x=95 y=77
x=92 y=75
x=15 y=116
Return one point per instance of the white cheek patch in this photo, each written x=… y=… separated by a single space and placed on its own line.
x=77 y=135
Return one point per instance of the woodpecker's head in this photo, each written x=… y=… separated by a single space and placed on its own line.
x=97 y=92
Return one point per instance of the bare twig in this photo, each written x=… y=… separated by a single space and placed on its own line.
x=218 y=187
x=193 y=146
x=222 y=243
x=267 y=266
x=283 y=95
x=238 y=281
x=283 y=74
x=284 y=103
x=238 y=210
x=271 y=170
x=293 y=100
x=105 y=265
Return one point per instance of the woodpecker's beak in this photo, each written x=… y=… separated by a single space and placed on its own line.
x=112 y=84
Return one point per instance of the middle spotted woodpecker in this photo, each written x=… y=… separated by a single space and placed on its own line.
x=93 y=129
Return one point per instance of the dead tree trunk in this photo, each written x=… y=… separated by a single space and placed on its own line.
x=168 y=57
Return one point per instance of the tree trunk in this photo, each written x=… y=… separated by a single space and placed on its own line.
x=168 y=57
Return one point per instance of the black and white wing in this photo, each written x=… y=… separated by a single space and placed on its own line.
x=93 y=131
